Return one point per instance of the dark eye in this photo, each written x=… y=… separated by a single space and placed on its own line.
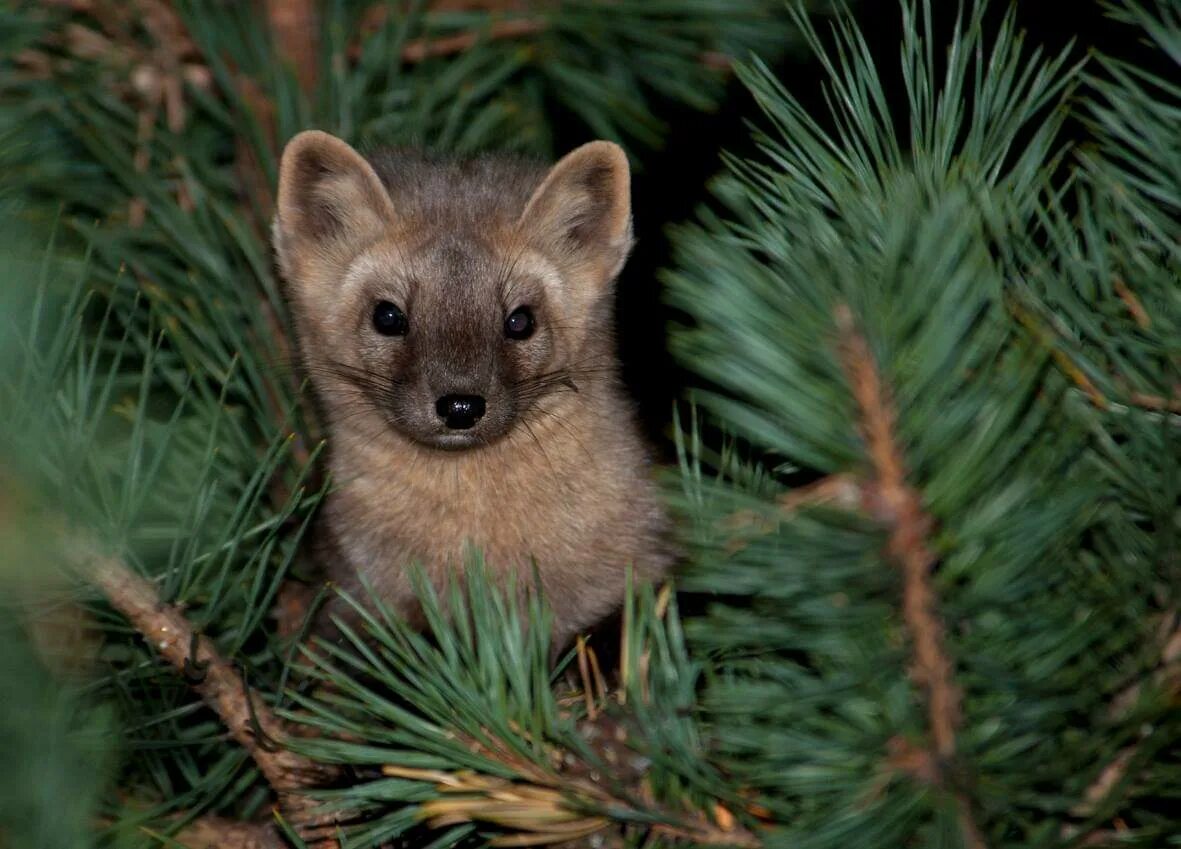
x=388 y=320
x=519 y=324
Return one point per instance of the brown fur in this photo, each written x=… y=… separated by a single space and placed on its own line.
x=555 y=472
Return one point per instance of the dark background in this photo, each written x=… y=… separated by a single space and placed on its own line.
x=671 y=184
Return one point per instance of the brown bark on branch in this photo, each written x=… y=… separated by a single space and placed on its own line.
x=1076 y=374
x=1133 y=303
x=900 y=506
x=426 y=48
x=209 y=832
x=1165 y=676
x=218 y=684
x=420 y=49
x=296 y=30
x=1155 y=402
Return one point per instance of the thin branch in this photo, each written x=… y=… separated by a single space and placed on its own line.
x=1105 y=783
x=592 y=710
x=1068 y=366
x=224 y=833
x=1078 y=376
x=1166 y=676
x=421 y=49
x=562 y=799
x=167 y=630
x=295 y=29
x=842 y=491
x=376 y=16
x=1133 y=303
x=1155 y=402
x=900 y=506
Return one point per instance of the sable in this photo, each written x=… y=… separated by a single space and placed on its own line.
x=456 y=319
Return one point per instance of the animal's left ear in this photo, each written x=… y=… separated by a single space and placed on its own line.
x=582 y=209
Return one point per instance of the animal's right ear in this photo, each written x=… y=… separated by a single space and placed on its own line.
x=329 y=198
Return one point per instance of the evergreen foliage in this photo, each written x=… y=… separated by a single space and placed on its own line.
x=933 y=566
x=1019 y=300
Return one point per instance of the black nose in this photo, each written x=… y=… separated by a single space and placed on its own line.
x=459 y=412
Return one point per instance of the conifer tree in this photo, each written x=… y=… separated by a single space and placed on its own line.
x=927 y=488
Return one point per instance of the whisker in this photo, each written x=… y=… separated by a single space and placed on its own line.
x=541 y=448
x=566 y=427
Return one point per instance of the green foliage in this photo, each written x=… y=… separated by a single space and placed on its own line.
x=149 y=407
x=1019 y=299
x=982 y=267
x=184 y=491
x=455 y=718
x=58 y=756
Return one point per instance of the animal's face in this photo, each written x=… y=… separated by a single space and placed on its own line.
x=448 y=333
x=450 y=340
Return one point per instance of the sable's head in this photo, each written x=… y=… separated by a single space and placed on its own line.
x=451 y=299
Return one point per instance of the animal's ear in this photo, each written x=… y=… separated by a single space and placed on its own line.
x=582 y=209
x=329 y=198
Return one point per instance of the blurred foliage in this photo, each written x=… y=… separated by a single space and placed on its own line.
x=1020 y=300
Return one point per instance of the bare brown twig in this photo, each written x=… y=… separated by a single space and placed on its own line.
x=1155 y=402
x=207 y=832
x=1166 y=675
x=426 y=48
x=376 y=16
x=498 y=28
x=1133 y=303
x=841 y=490
x=902 y=508
x=295 y=27
x=1078 y=376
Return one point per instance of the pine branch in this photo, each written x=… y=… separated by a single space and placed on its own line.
x=1133 y=303
x=542 y=815
x=1156 y=403
x=421 y=49
x=1073 y=370
x=901 y=506
x=548 y=807
x=1165 y=676
x=429 y=48
x=295 y=28
x=220 y=833
x=249 y=722
x=453 y=752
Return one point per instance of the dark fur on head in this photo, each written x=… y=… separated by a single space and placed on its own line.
x=553 y=470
